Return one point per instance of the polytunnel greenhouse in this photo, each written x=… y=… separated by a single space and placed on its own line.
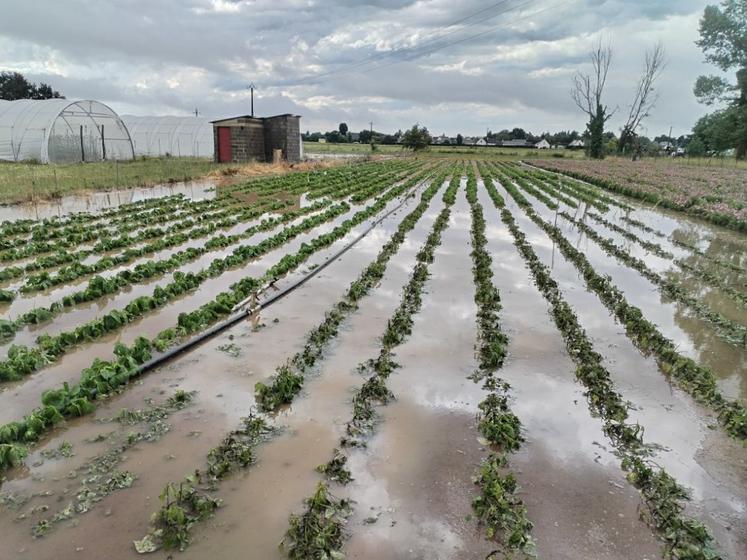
x=62 y=131
x=172 y=136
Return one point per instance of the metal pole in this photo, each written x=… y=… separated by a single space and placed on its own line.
x=251 y=90
x=82 y=149
x=103 y=144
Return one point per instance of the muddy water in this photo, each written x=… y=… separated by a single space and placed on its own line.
x=574 y=490
x=224 y=396
x=21 y=396
x=694 y=337
x=285 y=474
x=95 y=255
x=717 y=300
x=717 y=241
x=83 y=313
x=712 y=465
x=415 y=476
x=45 y=298
x=98 y=201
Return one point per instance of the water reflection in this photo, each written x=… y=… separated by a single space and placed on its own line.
x=203 y=189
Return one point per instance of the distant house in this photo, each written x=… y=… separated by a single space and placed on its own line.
x=322 y=140
x=666 y=146
x=576 y=145
x=542 y=145
x=469 y=141
x=519 y=143
x=481 y=142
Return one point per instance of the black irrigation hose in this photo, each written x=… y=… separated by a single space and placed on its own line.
x=236 y=317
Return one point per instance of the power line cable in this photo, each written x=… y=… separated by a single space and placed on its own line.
x=426 y=44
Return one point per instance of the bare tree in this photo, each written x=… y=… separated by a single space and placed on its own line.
x=587 y=93
x=645 y=98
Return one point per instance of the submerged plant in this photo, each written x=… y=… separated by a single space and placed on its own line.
x=318 y=533
x=499 y=509
x=183 y=506
x=335 y=468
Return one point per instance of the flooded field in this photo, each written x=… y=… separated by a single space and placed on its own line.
x=510 y=363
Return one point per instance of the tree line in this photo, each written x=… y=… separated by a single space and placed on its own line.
x=723 y=39
x=14 y=85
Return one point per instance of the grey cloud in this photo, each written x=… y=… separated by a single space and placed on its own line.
x=103 y=48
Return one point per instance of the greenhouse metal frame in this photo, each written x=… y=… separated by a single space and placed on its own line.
x=171 y=136
x=62 y=131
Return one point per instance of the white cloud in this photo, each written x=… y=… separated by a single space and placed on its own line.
x=391 y=61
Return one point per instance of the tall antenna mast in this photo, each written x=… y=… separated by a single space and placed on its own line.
x=251 y=88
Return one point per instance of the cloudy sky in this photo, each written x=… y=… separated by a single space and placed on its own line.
x=454 y=66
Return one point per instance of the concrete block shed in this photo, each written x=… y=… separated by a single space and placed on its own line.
x=247 y=138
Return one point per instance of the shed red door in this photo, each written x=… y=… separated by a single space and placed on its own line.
x=224 y=144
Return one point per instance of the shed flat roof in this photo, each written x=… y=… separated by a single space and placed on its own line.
x=256 y=118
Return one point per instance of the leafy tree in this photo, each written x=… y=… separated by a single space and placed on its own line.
x=343 y=128
x=723 y=38
x=718 y=131
x=14 y=85
x=518 y=134
x=696 y=147
x=460 y=140
x=335 y=137
x=417 y=138
x=365 y=136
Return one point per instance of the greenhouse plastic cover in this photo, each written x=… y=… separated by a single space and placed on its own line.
x=175 y=136
x=62 y=131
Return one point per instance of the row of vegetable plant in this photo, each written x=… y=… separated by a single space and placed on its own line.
x=727 y=265
x=497 y=506
x=665 y=499
x=102 y=474
x=173 y=532
x=103 y=377
x=99 y=286
x=688 y=207
x=318 y=532
x=702 y=273
x=730 y=331
x=696 y=380
x=23 y=360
